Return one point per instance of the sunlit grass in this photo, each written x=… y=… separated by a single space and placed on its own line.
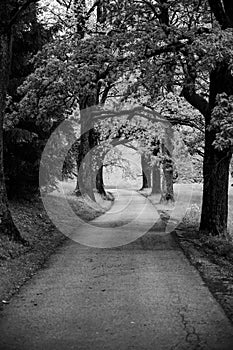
x=193 y=212
x=188 y=203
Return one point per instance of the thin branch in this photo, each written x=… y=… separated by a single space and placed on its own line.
x=196 y=100
x=92 y=9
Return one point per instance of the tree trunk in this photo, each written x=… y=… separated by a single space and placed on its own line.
x=85 y=179
x=85 y=183
x=100 y=183
x=167 y=188
x=156 y=183
x=216 y=164
x=7 y=226
x=99 y=156
x=215 y=189
x=146 y=172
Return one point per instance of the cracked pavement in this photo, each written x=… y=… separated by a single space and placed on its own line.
x=144 y=295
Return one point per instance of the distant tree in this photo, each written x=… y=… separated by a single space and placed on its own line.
x=146 y=171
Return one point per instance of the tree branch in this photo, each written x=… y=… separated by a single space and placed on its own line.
x=189 y=85
x=92 y=8
x=195 y=100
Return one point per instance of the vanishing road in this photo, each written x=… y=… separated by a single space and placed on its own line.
x=143 y=295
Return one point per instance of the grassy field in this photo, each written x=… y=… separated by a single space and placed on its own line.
x=193 y=212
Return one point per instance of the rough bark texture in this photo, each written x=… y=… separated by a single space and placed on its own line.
x=167 y=187
x=215 y=189
x=156 y=183
x=167 y=190
x=85 y=179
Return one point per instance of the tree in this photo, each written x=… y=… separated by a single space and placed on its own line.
x=217 y=159
x=178 y=47
x=22 y=142
x=146 y=171
x=133 y=128
x=156 y=176
x=10 y=12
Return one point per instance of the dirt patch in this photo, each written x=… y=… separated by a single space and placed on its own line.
x=19 y=263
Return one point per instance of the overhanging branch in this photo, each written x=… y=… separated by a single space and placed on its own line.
x=195 y=100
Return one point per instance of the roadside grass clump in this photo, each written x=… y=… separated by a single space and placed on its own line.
x=10 y=249
x=220 y=245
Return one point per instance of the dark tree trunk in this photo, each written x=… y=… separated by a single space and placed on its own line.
x=144 y=181
x=215 y=189
x=7 y=226
x=146 y=172
x=100 y=182
x=85 y=183
x=167 y=188
x=85 y=180
x=77 y=189
x=156 y=183
x=79 y=10
x=216 y=165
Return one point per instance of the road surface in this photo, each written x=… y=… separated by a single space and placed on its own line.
x=143 y=295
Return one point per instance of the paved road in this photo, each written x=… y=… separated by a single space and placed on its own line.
x=144 y=295
x=131 y=216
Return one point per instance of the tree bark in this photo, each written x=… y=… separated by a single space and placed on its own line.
x=100 y=183
x=7 y=226
x=156 y=183
x=216 y=165
x=215 y=189
x=167 y=188
x=85 y=182
x=146 y=172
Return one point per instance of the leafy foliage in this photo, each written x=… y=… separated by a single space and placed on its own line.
x=222 y=122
